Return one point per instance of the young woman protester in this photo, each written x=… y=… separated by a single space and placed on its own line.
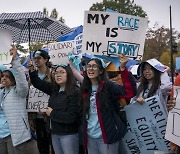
x=63 y=109
x=154 y=81
x=102 y=127
x=15 y=136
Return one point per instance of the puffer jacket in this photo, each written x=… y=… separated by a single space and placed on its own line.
x=14 y=106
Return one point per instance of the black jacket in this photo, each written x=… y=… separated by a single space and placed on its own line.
x=65 y=114
x=113 y=129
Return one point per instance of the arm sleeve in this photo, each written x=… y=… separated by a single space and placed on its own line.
x=77 y=74
x=129 y=83
x=42 y=85
x=20 y=78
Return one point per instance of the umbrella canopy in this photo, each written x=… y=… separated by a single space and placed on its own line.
x=70 y=36
x=32 y=27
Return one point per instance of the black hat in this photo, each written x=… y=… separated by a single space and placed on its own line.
x=42 y=53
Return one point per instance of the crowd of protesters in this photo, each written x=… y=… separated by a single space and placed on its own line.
x=83 y=113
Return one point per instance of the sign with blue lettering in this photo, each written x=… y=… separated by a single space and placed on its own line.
x=147 y=126
x=111 y=33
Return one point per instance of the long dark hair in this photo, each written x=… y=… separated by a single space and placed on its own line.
x=70 y=82
x=144 y=82
x=86 y=86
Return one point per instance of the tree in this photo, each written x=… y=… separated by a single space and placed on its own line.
x=158 y=41
x=121 y=6
x=53 y=14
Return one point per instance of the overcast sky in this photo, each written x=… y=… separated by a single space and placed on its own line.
x=73 y=10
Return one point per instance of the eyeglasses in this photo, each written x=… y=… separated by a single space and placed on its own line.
x=59 y=73
x=93 y=67
x=37 y=58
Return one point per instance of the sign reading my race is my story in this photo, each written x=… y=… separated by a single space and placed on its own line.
x=147 y=126
x=5 y=45
x=58 y=51
x=109 y=33
x=37 y=100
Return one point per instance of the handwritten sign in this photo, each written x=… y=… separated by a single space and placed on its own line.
x=37 y=100
x=146 y=129
x=5 y=45
x=58 y=52
x=173 y=124
x=107 y=33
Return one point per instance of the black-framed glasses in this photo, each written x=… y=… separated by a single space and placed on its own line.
x=93 y=67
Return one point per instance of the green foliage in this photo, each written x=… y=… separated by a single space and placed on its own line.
x=158 y=41
x=121 y=6
x=53 y=14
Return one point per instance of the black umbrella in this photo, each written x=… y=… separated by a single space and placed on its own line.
x=32 y=27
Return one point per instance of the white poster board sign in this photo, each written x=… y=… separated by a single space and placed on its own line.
x=110 y=33
x=146 y=129
x=5 y=45
x=58 y=52
x=173 y=124
x=37 y=100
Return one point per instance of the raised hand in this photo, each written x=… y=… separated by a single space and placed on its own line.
x=30 y=65
x=123 y=61
x=13 y=52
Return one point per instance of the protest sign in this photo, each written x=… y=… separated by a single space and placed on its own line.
x=146 y=129
x=173 y=123
x=5 y=45
x=109 y=33
x=58 y=52
x=37 y=100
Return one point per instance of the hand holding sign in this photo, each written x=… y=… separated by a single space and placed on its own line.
x=30 y=65
x=48 y=111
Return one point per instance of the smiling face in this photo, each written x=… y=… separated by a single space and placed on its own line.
x=148 y=72
x=7 y=80
x=60 y=76
x=93 y=70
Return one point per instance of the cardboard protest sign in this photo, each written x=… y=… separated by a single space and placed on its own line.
x=147 y=126
x=5 y=45
x=107 y=33
x=173 y=123
x=58 y=52
x=37 y=100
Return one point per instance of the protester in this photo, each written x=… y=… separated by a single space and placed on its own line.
x=102 y=126
x=38 y=121
x=154 y=81
x=63 y=109
x=15 y=136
